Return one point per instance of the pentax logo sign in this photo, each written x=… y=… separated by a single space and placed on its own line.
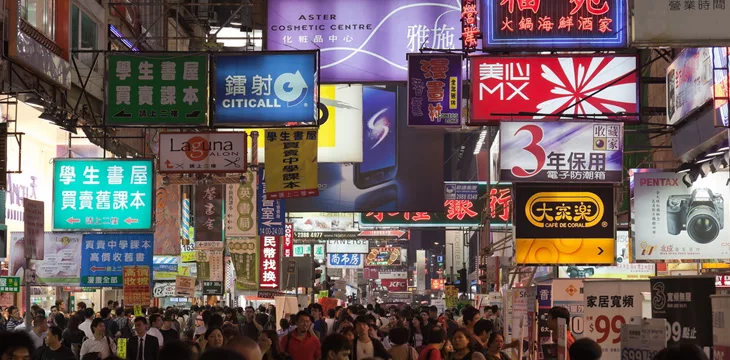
x=212 y=152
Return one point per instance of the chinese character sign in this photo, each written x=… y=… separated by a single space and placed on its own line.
x=550 y=24
x=561 y=152
x=202 y=152
x=102 y=194
x=690 y=82
x=103 y=257
x=685 y=303
x=33 y=225
x=269 y=259
x=363 y=41
x=185 y=286
x=470 y=33
x=244 y=255
x=554 y=87
x=344 y=261
x=241 y=207
x=434 y=90
x=266 y=88
x=9 y=284
x=167 y=219
x=210 y=265
x=157 y=90
x=208 y=213
x=136 y=285
x=271 y=214
x=654 y=22
x=564 y=224
x=291 y=163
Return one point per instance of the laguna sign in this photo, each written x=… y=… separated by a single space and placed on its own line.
x=196 y=152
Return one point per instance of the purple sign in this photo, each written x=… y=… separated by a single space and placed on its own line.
x=434 y=89
x=363 y=41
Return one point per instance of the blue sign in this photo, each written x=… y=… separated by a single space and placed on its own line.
x=266 y=88
x=544 y=296
x=104 y=255
x=164 y=268
x=461 y=191
x=344 y=260
x=271 y=213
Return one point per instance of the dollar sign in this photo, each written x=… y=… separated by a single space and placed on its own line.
x=591 y=328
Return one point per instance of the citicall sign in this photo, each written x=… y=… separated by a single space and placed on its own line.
x=211 y=152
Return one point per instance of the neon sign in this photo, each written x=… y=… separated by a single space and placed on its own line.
x=470 y=33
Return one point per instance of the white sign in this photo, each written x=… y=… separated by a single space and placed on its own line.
x=643 y=341
x=164 y=289
x=689 y=83
x=622 y=270
x=209 y=245
x=676 y=222
x=455 y=250
x=61 y=264
x=321 y=222
x=609 y=305
x=199 y=152
x=655 y=23
x=721 y=326
x=393 y=275
x=569 y=294
x=241 y=203
x=348 y=246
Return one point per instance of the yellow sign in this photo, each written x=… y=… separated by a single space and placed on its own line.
x=569 y=209
x=184 y=269
x=188 y=256
x=122 y=348
x=291 y=169
x=452 y=296
x=138 y=311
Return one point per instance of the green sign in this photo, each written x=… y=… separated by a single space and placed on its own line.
x=157 y=90
x=458 y=212
x=319 y=251
x=9 y=284
x=302 y=250
x=103 y=194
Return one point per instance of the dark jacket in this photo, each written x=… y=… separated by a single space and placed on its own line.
x=151 y=347
x=379 y=349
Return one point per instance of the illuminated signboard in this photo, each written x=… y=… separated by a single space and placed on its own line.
x=459 y=211
x=470 y=33
x=549 y=24
x=564 y=225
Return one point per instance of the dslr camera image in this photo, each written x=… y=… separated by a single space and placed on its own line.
x=700 y=214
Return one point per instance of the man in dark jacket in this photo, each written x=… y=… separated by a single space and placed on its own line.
x=365 y=346
x=147 y=344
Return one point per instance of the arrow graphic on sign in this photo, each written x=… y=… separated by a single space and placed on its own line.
x=96 y=268
x=73 y=220
x=269 y=223
x=168 y=164
x=130 y=221
x=269 y=285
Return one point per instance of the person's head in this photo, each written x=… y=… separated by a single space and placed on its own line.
x=483 y=328
x=303 y=322
x=269 y=340
x=587 y=349
x=470 y=316
x=97 y=326
x=61 y=305
x=348 y=332
x=54 y=310
x=80 y=306
x=110 y=304
x=89 y=313
x=460 y=339
x=156 y=321
x=16 y=346
x=331 y=313
x=495 y=310
x=167 y=323
x=178 y=350
x=399 y=335
x=496 y=343
x=73 y=322
x=317 y=311
x=60 y=321
x=214 y=337
x=105 y=312
x=140 y=325
x=557 y=312
x=362 y=325
x=54 y=335
x=424 y=316
x=40 y=324
x=250 y=312
x=216 y=321
x=205 y=315
x=336 y=347
x=433 y=312
x=436 y=336
x=245 y=347
x=115 y=304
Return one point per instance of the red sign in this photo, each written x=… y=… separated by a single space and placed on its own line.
x=722 y=281
x=470 y=33
x=371 y=273
x=554 y=87
x=136 y=285
x=288 y=247
x=395 y=284
x=269 y=259
x=438 y=284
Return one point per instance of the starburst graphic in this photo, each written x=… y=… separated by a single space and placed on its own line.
x=601 y=88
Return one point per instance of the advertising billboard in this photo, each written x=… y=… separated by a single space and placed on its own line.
x=397 y=172
x=561 y=152
x=434 y=90
x=564 y=224
x=361 y=42
x=324 y=221
x=655 y=23
x=385 y=256
x=202 y=152
x=292 y=170
x=103 y=256
x=684 y=302
x=689 y=83
x=344 y=261
x=555 y=24
x=553 y=87
x=676 y=222
x=623 y=269
x=265 y=88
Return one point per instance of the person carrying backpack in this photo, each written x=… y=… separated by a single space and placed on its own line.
x=122 y=326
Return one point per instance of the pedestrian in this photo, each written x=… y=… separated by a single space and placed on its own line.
x=302 y=343
x=555 y=313
x=495 y=345
x=336 y=347
x=14 y=318
x=169 y=334
x=212 y=339
x=38 y=332
x=85 y=326
x=401 y=349
x=143 y=346
x=98 y=342
x=154 y=330
x=366 y=346
x=54 y=350
x=463 y=349
x=437 y=340
x=73 y=336
x=270 y=346
x=16 y=345
x=588 y=349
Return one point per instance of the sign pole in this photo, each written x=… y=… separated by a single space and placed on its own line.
x=28 y=318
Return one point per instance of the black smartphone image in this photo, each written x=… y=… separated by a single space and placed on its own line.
x=380 y=137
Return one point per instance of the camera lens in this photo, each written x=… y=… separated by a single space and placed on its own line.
x=702 y=224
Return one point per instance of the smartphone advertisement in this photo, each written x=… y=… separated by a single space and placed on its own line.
x=401 y=168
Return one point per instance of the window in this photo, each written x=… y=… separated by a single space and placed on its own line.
x=40 y=14
x=83 y=35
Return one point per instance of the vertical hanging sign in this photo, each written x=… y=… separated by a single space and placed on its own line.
x=167 y=220
x=269 y=259
x=434 y=90
x=241 y=207
x=208 y=213
x=470 y=33
x=271 y=213
x=136 y=285
x=292 y=158
x=244 y=253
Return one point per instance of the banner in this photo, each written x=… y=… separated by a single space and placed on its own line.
x=157 y=90
x=554 y=24
x=164 y=289
x=266 y=88
x=569 y=294
x=684 y=302
x=434 y=90
x=348 y=246
x=292 y=170
x=244 y=255
x=561 y=152
x=33 y=225
x=102 y=194
x=241 y=207
x=506 y=90
x=136 y=285
x=104 y=255
x=185 y=286
x=653 y=19
x=210 y=265
x=361 y=42
x=608 y=305
x=721 y=327
x=643 y=341
x=208 y=213
x=385 y=256
x=165 y=267
x=544 y=303
x=270 y=213
x=344 y=261
x=202 y=152
x=568 y=224
x=167 y=219
x=676 y=222
x=689 y=82
x=623 y=269
x=269 y=259
x=61 y=263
